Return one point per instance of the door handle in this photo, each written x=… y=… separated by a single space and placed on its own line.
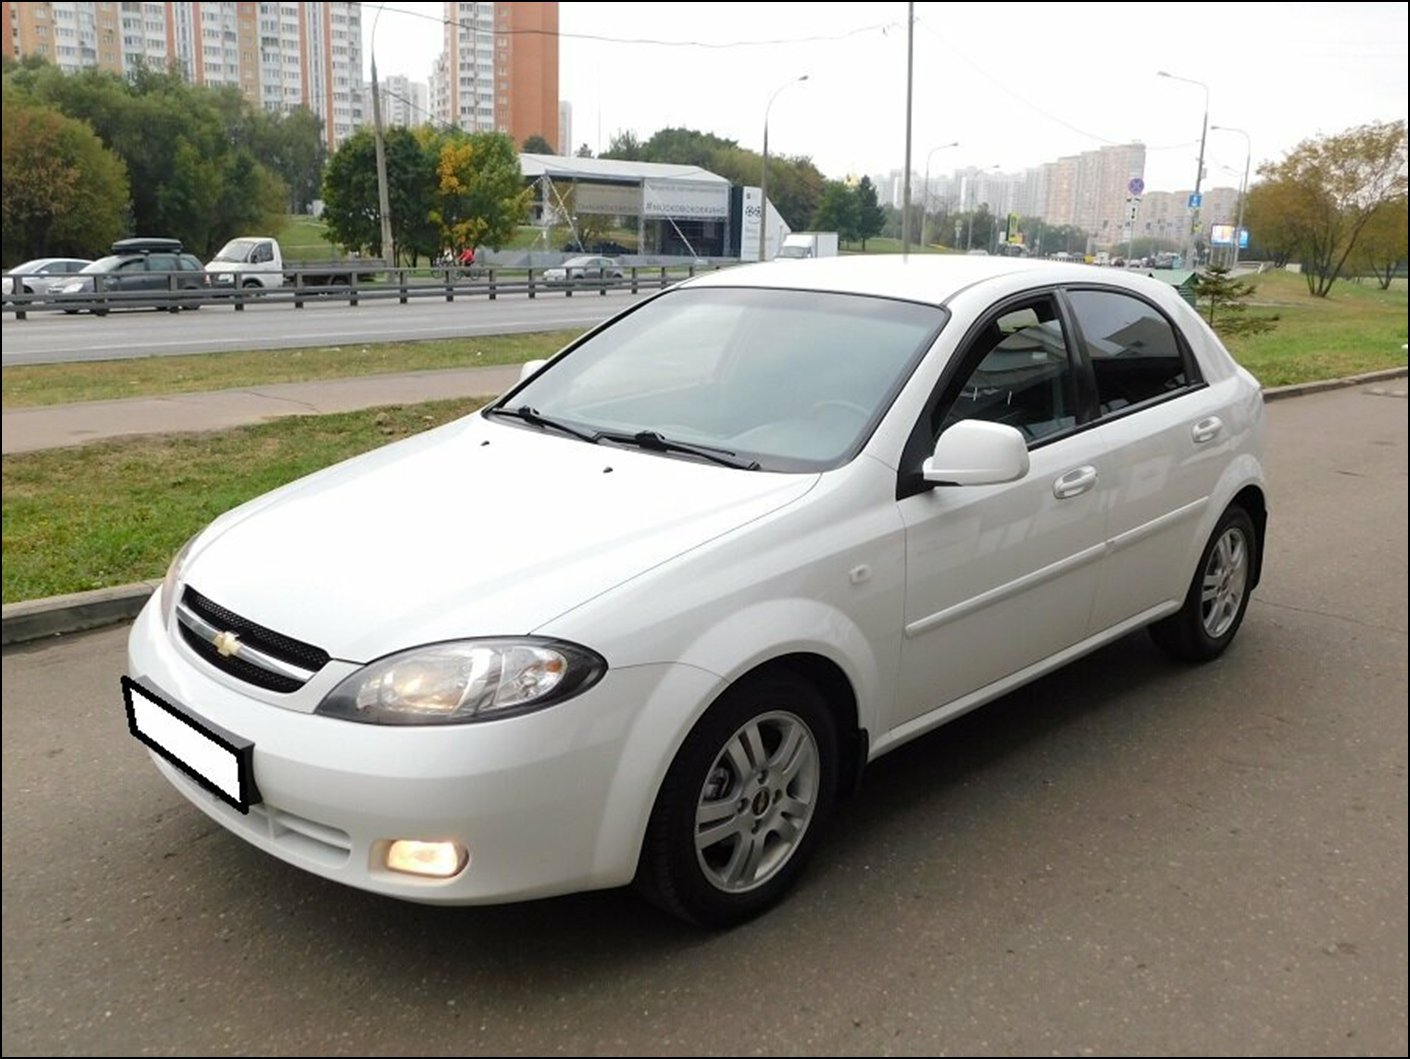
x=1207 y=429
x=1074 y=482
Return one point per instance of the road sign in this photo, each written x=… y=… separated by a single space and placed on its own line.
x=1196 y=201
x=1137 y=186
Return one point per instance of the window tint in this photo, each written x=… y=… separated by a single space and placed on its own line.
x=1024 y=374
x=1132 y=347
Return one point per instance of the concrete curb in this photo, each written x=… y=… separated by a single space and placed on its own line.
x=1298 y=389
x=35 y=619
x=38 y=618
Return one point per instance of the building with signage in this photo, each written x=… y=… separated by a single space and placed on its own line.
x=676 y=209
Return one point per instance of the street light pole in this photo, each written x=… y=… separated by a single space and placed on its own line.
x=1199 y=171
x=910 y=81
x=925 y=200
x=383 y=199
x=764 y=176
x=1243 y=187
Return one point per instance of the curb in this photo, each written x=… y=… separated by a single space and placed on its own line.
x=1298 y=389
x=36 y=619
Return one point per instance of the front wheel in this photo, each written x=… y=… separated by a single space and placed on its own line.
x=1217 y=599
x=743 y=803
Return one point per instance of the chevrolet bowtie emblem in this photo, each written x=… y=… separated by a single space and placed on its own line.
x=227 y=643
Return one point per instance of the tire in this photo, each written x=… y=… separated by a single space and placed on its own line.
x=1202 y=629
x=743 y=804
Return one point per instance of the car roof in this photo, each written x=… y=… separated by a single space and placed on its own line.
x=928 y=278
x=40 y=262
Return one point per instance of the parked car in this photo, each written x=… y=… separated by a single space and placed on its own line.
x=579 y=269
x=647 y=616
x=137 y=265
x=34 y=277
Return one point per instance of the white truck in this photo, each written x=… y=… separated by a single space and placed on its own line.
x=256 y=261
x=809 y=244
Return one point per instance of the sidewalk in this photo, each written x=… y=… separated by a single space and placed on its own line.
x=58 y=426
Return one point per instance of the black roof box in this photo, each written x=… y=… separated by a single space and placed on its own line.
x=147 y=246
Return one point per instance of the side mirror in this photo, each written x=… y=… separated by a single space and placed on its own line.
x=530 y=369
x=976 y=452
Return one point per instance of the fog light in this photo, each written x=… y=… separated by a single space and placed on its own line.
x=439 y=860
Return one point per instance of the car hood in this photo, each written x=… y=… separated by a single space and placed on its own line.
x=476 y=529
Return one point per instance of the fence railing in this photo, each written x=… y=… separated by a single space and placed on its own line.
x=402 y=284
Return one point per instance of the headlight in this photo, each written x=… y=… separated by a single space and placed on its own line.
x=169 y=583
x=463 y=681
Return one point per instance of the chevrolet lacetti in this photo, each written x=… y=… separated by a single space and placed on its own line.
x=647 y=616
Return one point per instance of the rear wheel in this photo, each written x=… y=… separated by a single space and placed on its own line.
x=1218 y=595
x=743 y=803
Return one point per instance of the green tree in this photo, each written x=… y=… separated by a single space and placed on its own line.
x=584 y=150
x=1329 y=189
x=480 y=195
x=870 y=216
x=838 y=211
x=1383 y=250
x=1226 y=303
x=64 y=192
x=351 y=212
x=292 y=146
x=625 y=147
x=536 y=144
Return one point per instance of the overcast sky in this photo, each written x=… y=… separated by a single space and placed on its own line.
x=1016 y=84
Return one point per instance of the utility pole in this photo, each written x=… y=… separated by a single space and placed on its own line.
x=910 y=78
x=383 y=204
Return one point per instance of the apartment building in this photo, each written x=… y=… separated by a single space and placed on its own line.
x=498 y=70
x=279 y=55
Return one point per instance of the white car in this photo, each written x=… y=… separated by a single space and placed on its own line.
x=583 y=269
x=648 y=615
x=34 y=277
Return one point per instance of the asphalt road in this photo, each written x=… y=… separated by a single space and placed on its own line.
x=48 y=337
x=1130 y=857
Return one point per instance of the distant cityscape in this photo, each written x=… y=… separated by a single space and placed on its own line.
x=1090 y=191
x=498 y=70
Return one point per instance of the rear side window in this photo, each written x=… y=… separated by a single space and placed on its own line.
x=1135 y=356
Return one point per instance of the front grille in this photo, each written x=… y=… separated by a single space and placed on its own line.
x=261 y=641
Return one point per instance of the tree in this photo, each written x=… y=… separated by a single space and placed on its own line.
x=65 y=193
x=870 y=216
x=838 y=211
x=536 y=144
x=1327 y=190
x=1382 y=250
x=625 y=147
x=292 y=145
x=350 y=203
x=584 y=150
x=480 y=196
x=1227 y=301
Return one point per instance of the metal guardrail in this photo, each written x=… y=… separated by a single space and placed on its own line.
x=403 y=284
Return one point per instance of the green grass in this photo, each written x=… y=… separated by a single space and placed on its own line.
x=115 y=512
x=1357 y=328
x=304 y=239
x=44 y=384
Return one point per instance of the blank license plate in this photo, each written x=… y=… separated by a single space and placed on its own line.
x=217 y=760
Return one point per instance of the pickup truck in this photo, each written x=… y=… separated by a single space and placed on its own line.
x=256 y=261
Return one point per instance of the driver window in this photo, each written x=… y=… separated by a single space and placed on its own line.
x=1019 y=373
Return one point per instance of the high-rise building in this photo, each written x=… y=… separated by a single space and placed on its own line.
x=499 y=70
x=564 y=143
x=278 y=54
x=404 y=102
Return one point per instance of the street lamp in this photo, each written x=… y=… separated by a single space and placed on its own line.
x=764 y=177
x=383 y=199
x=1243 y=187
x=926 y=200
x=1199 y=171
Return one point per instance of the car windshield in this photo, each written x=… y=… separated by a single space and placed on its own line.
x=235 y=250
x=104 y=264
x=792 y=380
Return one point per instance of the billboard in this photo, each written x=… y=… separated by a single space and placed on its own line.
x=1223 y=235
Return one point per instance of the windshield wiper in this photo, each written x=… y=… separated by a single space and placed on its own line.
x=655 y=442
x=536 y=418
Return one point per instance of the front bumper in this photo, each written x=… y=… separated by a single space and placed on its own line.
x=549 y=802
